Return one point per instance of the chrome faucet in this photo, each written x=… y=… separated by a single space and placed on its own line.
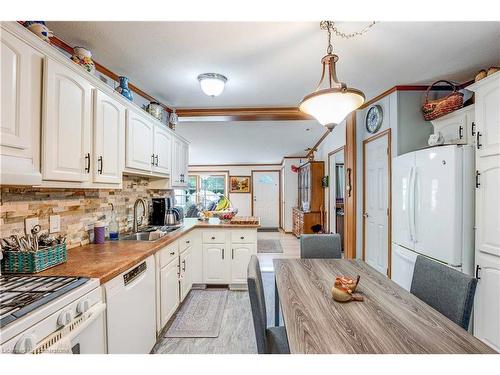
x=135 y=226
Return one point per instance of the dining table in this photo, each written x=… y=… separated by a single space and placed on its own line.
x=389 y=320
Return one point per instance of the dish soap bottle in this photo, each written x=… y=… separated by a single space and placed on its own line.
x=113 y=225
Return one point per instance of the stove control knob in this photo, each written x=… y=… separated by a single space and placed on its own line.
x=26 y=344
x=65 y=318
x=82 y=306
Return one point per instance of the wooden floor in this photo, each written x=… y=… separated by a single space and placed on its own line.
x=237 y=335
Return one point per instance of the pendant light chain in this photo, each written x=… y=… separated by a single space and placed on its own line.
x=330 y=27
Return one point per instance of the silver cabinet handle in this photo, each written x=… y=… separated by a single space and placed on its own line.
x=232 y=253
x=153 y=159
x=87 y=159
x=223 y=254
x=184 y=265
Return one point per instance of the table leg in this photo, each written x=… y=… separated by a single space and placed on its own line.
x=276 y=304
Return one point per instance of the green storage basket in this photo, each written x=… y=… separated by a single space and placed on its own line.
x=33 y=262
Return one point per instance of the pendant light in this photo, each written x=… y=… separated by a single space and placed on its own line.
x=332 y=104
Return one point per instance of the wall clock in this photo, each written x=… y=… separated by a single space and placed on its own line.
x=374 y=118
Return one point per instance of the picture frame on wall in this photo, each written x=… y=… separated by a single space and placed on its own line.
x=239 y=184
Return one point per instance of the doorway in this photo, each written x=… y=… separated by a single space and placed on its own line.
x=376 y=201
x=336 y=193
x=266 y=198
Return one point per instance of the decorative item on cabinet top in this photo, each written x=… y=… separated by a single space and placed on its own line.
x=83 y=57
x=154 y=109
x=172 y=120
x=124 y=89
x=432 y=109
x=39 y=29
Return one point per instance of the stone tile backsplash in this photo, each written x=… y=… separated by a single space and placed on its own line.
x=78 y=208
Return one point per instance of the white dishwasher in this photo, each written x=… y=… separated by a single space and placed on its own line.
x=131 y=310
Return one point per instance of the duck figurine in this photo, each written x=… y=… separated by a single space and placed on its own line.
x=343 y=289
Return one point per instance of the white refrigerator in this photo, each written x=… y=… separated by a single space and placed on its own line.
x=432 y=209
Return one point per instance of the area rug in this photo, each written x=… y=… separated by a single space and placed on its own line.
x=200 y=315
x=269 y=246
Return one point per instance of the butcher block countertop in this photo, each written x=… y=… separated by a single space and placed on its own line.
x=108 y=260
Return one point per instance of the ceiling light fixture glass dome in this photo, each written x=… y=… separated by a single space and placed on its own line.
x=332 y=104
x=212 y=84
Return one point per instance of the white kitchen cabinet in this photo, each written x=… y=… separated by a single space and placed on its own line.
x=186 y=273
x=180 y=161
x=457 y=127
x=487 y=301
x=20 y=108
x=67 y=124
x=162 y=150
x=139 y=141
x=169 y=291
x=487 y=120
x=109 y=139
x=240 y=257
x=216 y=264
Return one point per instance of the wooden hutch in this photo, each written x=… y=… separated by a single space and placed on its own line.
x=311 y=198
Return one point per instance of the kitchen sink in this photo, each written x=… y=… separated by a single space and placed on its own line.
x=144 y=235
x=139 y=236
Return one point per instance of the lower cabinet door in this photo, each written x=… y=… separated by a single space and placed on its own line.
x=215 y=264
x=240 y=256
x=487 y=301
x=169 y=291
x=186 y=281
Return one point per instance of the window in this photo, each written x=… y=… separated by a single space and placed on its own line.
x=203 y=191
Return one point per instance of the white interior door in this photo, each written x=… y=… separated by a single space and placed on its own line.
x=376 y=224
x=266 y=198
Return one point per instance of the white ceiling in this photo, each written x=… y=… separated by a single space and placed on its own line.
x=275 y=64
x=215 y=143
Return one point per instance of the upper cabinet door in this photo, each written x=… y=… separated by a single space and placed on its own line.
x=488 y=116
x=139 y=142
x=109 y=139
x=162 y=150
x=16 y=93
x=67 y=125
x=180 y=159
x=20 y=111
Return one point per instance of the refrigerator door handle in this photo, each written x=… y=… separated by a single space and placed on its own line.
x=414 y=189
x=409 y=199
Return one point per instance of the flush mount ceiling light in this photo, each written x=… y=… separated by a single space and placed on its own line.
x=212 y=84
x=332 y=104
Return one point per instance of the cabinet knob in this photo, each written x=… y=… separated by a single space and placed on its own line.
x=213 y=238
x=172 y=252
x=242 y=238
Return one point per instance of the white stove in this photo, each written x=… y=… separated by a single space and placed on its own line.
x=51 y=314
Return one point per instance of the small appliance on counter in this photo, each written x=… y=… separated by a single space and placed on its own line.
x=164 y=214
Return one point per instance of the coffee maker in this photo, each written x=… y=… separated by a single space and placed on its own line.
x=163 y=213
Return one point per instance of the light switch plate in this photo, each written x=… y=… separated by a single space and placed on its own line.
x=29 y=223
x=54 y=223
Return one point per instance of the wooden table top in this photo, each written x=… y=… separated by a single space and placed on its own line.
x=389 y=320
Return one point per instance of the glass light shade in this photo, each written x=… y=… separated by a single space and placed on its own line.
x=212 y=84
x=331 y=106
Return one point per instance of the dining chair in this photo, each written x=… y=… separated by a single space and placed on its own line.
x=320 y=246
x=447 y=290
x=270 y=340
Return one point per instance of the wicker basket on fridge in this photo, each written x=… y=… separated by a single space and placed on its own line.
x=432 y=109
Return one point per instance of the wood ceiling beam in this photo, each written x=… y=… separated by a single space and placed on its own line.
x=242 y=114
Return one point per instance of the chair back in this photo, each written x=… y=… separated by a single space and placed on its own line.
x=447 y=290
x=258 y=303
x=320 y=246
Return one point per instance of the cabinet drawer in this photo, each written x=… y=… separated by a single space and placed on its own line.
x=169 y=253
x=214 y=237
x=243 y=236
x=185 y=242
